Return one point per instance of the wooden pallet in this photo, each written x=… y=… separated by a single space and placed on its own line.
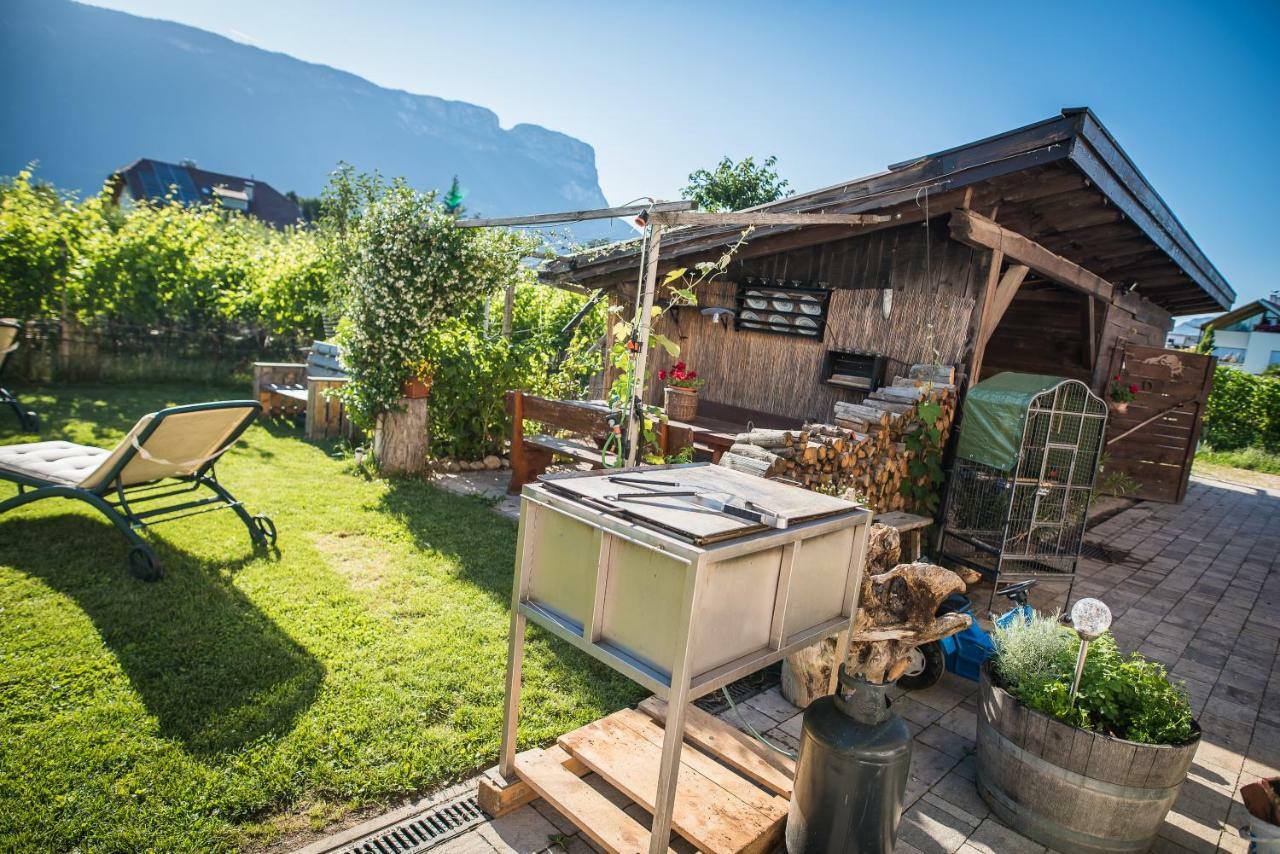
x=731 y=796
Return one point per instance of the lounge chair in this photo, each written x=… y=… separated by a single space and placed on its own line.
x=167 y=456
x=10 y=330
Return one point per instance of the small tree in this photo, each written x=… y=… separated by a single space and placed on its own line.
x=410 y=269
x=1205 y=344
x=734 y=186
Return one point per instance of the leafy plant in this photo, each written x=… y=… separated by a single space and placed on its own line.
x=410 y=272
x=1112 y=481
x=1206 y=344
x=734 y=186
x=923 y=483
x=1123 y=696
x=1121 y=393
x=1243 y=411
x=679 y=376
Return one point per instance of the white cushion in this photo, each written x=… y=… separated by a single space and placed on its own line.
x=62 y=463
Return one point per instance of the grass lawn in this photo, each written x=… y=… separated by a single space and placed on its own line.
x=1252 y=459
x=247 y=695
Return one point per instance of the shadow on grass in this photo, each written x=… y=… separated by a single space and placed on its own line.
x=214 y=670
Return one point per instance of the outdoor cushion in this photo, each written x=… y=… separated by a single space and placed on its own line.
x=62 y=463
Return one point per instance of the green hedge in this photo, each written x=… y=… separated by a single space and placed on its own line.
x=1243 y=411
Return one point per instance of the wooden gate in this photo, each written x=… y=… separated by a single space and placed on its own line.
x=1154 y=440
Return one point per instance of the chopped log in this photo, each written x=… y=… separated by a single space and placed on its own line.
x=737 y=462
x=765 y=438
x=756 y=452
x=401 y=438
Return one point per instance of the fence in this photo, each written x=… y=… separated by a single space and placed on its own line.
x=106 y=351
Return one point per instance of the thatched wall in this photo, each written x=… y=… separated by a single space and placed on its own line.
x=933 y=280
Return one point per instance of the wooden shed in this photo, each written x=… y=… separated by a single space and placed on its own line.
x=1042 y=249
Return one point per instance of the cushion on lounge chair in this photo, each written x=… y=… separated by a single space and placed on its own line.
x=179 y=445
x=63 y=463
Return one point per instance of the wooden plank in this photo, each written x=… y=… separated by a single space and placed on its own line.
x=575 y=416
x=737 y=750
x=576 y=216
x=568 y=448
x=728 y=779
x=703 y=812
x=590 y=811
x=975 y=230
x=746 y=218
x=499 y=796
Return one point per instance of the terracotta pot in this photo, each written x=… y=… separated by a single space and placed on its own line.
x=681 y=404
x=1119 y=408
x=416 y=389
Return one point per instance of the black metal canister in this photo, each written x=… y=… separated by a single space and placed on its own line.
x=851 y=775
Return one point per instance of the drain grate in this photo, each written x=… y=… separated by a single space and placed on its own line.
x=744 y=689
x=1106 y=554
x=422 y=832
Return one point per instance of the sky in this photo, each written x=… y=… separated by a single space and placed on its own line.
x=835 y=90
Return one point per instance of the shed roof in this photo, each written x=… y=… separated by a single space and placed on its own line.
x=1244 y=312
x=1063 y=182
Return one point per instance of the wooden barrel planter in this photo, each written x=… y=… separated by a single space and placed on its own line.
x=1071 y=789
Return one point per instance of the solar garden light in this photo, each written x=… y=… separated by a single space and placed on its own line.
x=1090 y=618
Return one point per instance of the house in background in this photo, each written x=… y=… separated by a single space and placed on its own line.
x=1187 y=333
x=1249 y=337
x=156 y=180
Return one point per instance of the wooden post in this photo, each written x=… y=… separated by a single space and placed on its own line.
x=647 y=288
x=401 y=439
x=508 y=309
x=981 y=310
x=515 y=643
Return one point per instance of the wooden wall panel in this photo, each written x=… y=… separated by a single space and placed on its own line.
x=933 y=283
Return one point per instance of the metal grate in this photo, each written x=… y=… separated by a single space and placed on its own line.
x=422 y=832
x=744 y=689
x=1106 y=554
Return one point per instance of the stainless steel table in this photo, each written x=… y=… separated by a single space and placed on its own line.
x=676 y=595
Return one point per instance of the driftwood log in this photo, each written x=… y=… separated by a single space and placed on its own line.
x=896 y=613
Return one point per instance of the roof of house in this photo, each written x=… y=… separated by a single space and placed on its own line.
x=1244 y=312
x=1063 y=182
x=189 y=184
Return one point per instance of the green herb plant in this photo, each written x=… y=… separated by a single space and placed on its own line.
x=1126 y=697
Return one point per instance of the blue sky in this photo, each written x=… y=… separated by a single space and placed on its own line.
x=835 y=90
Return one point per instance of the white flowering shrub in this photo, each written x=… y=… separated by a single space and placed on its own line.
x=410 y=271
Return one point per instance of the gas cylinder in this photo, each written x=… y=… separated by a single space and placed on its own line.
x=851 y=774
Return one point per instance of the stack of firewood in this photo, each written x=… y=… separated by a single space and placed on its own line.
x=861 y=449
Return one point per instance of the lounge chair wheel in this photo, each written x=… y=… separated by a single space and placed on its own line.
x=266 y=529
x=32 y=422
x=143 y=563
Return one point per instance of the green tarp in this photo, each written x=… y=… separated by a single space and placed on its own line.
x=995 y=411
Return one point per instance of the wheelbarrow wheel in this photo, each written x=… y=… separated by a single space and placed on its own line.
x=266 y=529
x=143 y=564
x=926 y=666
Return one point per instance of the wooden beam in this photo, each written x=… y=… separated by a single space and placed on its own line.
x=978 y=231
x=577 y=216
x=761 y=218
x=1005 y=291
x=981 y=310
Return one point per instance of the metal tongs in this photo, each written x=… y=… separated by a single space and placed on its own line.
x=735 y=505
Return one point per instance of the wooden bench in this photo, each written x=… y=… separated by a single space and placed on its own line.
x=532 y=454
x=292 y=389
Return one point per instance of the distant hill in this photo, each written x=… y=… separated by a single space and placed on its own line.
x=88 y=90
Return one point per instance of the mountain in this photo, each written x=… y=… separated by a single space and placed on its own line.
x=88 y=90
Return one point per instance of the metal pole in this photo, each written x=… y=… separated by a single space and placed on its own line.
x=647 y=289
x=1075 y=682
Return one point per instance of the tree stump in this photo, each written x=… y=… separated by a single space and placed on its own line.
x=401 y=439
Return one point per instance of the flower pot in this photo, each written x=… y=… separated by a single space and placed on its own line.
x=1119 y=407
x=1071 y=789
x=416 y=389
x=681 y=404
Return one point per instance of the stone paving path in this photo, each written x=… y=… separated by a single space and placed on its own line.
x=1199 y=591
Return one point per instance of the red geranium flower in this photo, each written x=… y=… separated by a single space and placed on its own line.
x=693 y=375
x=662 y=375
x=1134 y=388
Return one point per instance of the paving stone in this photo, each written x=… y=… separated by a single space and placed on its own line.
x=943 y=739
x=963 y=721
x=933 y=829
x=773 y=704
x=928 y=766
x=522 y=831
x=957 y=789
x=471 y=842
x=992 y=837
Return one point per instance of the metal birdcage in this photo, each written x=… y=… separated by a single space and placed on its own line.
x=1019 y=491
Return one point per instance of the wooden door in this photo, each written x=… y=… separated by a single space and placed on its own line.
x=1154 y=441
